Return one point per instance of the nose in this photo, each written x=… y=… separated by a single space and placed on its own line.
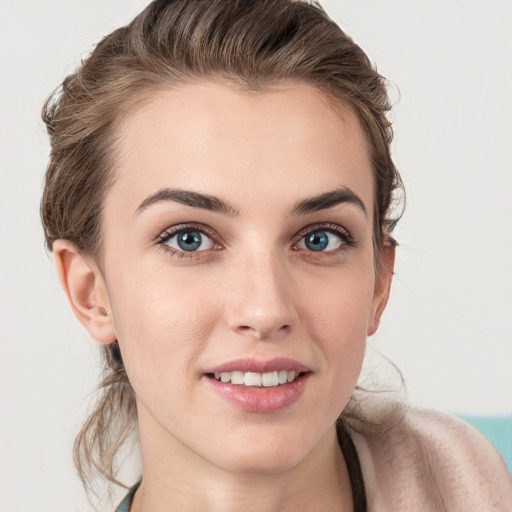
x=260 y=298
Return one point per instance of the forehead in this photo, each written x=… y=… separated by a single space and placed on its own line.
x=285 y=141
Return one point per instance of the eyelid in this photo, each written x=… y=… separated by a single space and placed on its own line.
x=326 y=226
x=345 y=238
x=170 y=232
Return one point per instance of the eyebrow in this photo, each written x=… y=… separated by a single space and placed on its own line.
x=324 y=201
x=328 y=200
x=189 y=198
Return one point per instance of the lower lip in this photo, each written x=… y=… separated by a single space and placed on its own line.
x=261 y=399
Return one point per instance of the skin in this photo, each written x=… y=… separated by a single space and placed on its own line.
x=256 y=291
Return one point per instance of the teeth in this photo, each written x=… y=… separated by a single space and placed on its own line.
x=237 y=378
x=270 y=379
x=253 y=379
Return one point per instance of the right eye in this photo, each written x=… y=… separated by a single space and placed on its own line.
x=185 y=240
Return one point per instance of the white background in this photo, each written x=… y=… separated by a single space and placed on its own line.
x=448 y=323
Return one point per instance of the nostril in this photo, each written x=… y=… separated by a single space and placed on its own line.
x=245 y=329
x=262 y=333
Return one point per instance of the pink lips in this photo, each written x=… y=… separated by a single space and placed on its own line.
x=260 y=399
x=253 y=365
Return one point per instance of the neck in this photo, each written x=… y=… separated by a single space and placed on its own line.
x=177 y=479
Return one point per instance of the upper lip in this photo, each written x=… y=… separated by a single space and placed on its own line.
x=259 y=366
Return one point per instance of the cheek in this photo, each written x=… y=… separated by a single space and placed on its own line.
x=162 y=324
x=336 y=316
x=334 y=313
x=340 y=303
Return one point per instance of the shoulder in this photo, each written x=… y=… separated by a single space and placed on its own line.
x=433 y=461
x=463 y=463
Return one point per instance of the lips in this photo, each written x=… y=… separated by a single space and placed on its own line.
x=259 y=386
x=256 y=366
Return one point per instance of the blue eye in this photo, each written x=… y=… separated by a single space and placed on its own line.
x=317 y=241
x=189 y=240
x=322 y=241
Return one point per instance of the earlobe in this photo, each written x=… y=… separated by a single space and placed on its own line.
x=383 y=279
x=85 y=289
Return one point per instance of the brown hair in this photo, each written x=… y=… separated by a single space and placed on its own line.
x=251 y=44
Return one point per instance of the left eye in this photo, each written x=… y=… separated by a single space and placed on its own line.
x=189 y=241
x=321 y=241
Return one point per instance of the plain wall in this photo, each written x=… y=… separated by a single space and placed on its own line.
x=447 y=326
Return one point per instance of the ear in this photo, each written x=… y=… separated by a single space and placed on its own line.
x=86 y=291
x=383 y=279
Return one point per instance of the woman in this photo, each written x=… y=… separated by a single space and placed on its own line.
x=218 y=202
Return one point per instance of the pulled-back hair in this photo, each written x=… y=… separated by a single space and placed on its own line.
x=250 y=44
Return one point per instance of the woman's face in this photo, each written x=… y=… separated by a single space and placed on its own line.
x=238 y=257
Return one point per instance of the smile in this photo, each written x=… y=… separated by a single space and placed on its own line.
x=259 y=386
x=255 y=379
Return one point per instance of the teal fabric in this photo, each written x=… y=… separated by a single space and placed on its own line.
x=498 y=429
x=124 y=506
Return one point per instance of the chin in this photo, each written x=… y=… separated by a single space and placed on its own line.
x=265 y=455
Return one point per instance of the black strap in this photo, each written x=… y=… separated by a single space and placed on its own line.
x=354 y=469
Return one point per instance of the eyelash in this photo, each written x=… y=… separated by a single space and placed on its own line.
x=169 y=233
x=346 y=238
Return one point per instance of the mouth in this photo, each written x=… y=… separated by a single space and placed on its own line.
x=259 y=386
x=256 y=379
